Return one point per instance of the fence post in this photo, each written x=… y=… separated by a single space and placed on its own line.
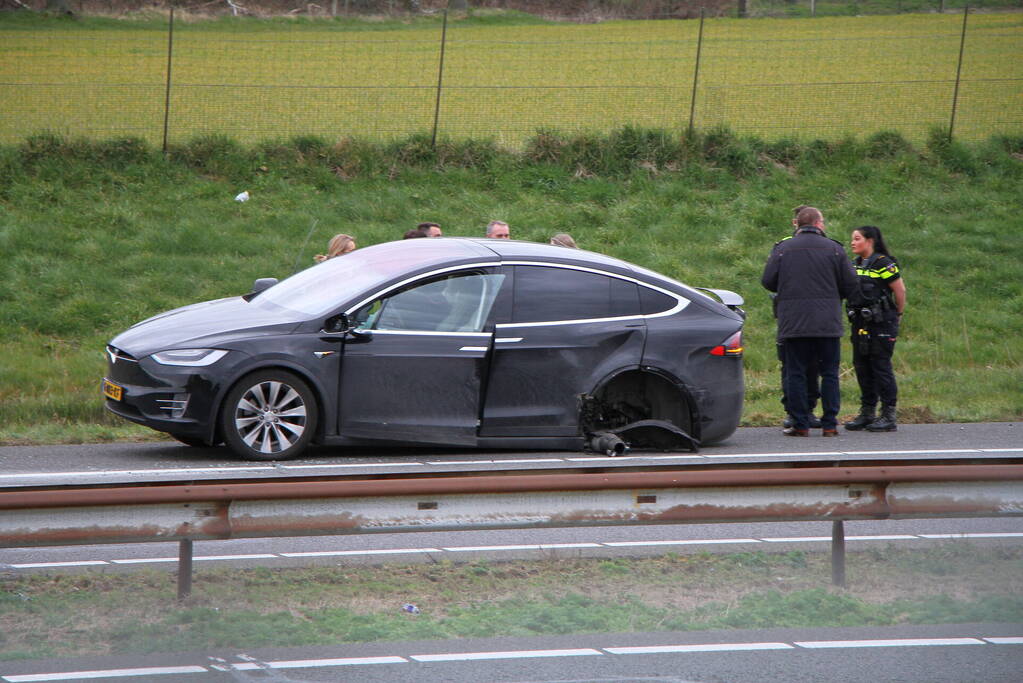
x=959 y=71
x=184 y=568
x=166 y=99
x=440 y=79
x=838 y=553
x=696 y=75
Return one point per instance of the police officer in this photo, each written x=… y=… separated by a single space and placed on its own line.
x=875 y=313
x=811 y=275
x=813 y=389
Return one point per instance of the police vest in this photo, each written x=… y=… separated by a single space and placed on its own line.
x=875 y=275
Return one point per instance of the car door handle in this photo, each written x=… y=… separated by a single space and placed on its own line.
x=475 y=348
x=508 y=340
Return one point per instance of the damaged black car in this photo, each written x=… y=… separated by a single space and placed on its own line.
x=475 y=343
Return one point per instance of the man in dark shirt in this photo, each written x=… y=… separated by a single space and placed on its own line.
x=811 y=275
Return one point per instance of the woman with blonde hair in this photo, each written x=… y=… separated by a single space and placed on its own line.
x=563 y=239
x=339 y=245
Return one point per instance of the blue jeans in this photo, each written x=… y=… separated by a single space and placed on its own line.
x=800 y=352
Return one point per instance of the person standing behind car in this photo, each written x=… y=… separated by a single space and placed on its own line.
x=339 y=245
x=874 y=315
x=563 y=239
x=498 y=230
x=811 y=275
x=813 y=389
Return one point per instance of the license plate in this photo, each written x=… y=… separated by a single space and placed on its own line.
x=111 y=390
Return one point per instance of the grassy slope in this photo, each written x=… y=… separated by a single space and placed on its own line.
x=96 y=237
x=55 y=615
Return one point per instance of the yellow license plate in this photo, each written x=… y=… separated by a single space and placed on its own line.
x=111 y=390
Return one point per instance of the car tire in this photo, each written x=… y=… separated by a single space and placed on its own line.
x=269 y=415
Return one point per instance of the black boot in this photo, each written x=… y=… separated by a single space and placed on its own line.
x=885 y=423
x=865 y=417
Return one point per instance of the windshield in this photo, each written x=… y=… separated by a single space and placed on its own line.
x=324 y=287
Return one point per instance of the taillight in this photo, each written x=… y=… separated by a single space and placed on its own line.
x=731 y=347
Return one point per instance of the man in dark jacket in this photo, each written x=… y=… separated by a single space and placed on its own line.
x=811 y=275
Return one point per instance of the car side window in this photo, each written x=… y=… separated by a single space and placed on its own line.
x=549 y=294
x=459 y=302
x=653 y=301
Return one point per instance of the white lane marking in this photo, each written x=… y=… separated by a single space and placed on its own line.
x=108 y=673
x=632 y=544
x=44 y=565
x=974 y=535
x=708 y=647
x=902 y=642
x=313 y=663
x=600 y=458
x=490 y=462
x=350 y=465
x=771 y=455
x=515 y=654
x=537 y=546
x=623 y=458
x=144 y=560
x=384 y=551
x=136 y=473
x=200 y=558
x=207 y=558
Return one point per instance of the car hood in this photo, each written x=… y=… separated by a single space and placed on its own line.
x=205 y=324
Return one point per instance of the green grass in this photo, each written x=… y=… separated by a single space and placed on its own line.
x=99 y=235
x=55 y=615
x=254 y=79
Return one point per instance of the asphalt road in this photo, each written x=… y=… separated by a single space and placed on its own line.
x=124 y=462
x=960 y=653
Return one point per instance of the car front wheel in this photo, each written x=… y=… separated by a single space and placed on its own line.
x=269 y=415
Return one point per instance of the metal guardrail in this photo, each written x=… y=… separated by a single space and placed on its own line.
x=66 y=515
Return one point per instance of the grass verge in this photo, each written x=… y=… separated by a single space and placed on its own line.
x=51 y=615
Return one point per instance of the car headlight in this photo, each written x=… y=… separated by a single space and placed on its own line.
x=189 y=357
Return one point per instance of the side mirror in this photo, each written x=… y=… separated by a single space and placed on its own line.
x=263 y=283
x=338 y=324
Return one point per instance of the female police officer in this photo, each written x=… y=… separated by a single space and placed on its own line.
x=875 y=314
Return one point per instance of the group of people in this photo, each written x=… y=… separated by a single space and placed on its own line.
x=342 y=244
x=810 y=276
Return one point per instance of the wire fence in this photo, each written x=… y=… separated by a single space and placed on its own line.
x=823 y=78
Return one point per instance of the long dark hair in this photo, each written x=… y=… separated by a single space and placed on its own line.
x=872 y=232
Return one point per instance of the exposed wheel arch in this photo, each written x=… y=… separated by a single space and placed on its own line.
x=639 y=393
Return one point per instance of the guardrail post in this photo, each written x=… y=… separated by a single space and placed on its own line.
x=838 y=553
x=184 y=569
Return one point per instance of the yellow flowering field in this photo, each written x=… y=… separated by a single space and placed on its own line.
x=824 y=77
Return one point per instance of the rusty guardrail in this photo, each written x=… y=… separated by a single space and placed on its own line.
x=68 y=515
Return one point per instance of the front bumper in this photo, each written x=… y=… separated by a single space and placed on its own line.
x=171 y=399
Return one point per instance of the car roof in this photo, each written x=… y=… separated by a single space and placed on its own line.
x=431 y=251
x=517 y=250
